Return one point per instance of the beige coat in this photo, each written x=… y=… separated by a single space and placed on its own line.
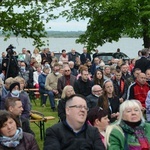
x=51 y=81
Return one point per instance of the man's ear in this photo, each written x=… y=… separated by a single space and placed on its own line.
x=10 y=108
x=67 y=110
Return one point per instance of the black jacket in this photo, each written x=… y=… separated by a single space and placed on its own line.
x=82 y=87
x=120 y=90
x=84 y=59
x=25 y=125
x=61 y=109
x=92 y=101
x=142 y=64
x=113 y=106
x=61 y=137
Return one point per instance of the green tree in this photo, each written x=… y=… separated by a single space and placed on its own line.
x=26 y=18
x=110 y=19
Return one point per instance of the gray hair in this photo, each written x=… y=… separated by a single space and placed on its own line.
x=70 y=62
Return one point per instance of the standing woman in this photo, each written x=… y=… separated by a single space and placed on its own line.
x=109 y=101
x=66 y=93
x=37 y=55
x=98 y=78
x=63 y=57
x=131 y=132
x=11 y=135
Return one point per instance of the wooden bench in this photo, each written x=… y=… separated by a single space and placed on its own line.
x=41 y=124
x=33 y=92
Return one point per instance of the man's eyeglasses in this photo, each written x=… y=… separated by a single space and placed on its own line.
x=67 y=70
x=98 y=91
x=79 y=107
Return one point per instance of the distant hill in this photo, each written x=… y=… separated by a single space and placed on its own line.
x=64 y=34
x=60 y=34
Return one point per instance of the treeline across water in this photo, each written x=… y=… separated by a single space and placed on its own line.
x=58 y=34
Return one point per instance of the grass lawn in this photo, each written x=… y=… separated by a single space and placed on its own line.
x=47 y=112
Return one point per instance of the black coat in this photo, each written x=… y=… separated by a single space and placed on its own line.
x=92 y=101
x=61 y=109
x=120 y=90
x=113 y=108
x=10 y=66
x=142 y=64
x=61 y=137
x=25 y=125
x=84 y=59
x=82 y=87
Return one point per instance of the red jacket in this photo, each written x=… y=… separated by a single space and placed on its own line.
x=138 y=92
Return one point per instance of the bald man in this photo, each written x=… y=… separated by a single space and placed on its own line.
x=92 y=99
x=139 y=89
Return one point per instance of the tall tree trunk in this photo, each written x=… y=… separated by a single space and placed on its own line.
x=146 y=40
x=146 y=37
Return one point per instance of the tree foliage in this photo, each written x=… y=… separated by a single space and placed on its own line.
x=26 y=18
x=110 y=19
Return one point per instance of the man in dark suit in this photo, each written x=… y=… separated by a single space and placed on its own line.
x=143 y=63
x=66 y=79
x=85 y=56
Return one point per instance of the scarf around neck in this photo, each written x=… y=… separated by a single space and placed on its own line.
x=12 y=141
x=138 y=130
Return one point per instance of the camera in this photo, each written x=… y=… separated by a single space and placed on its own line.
x=10 y=50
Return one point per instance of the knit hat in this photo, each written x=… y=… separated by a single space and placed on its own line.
x=13 y=85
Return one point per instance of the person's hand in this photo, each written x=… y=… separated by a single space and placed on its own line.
x=143 y=109
x=117 y=115
x=55 y=92
x=113 y=115
x=121 y=100
x=4 y=64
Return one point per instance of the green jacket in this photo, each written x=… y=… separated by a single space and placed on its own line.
x=119 y=140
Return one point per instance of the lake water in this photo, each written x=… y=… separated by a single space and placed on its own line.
x=129 y=46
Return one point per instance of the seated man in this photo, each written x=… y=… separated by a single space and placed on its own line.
x=66 y=79
x=14 y=105
x=73 y=133
x=92 y=99
x=83 y=85
x=51 y=84
x=139 y=89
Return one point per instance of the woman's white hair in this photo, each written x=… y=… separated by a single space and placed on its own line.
x=129 y=104
x=126 y=104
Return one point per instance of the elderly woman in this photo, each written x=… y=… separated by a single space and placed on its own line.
x=66 y=93
x=11 y=135
x=130 y=132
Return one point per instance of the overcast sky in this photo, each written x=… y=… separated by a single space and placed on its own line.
x=61 y=25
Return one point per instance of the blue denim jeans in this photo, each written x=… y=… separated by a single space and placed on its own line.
x=51 y=98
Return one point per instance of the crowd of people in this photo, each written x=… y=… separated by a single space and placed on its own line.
x=101 y=106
